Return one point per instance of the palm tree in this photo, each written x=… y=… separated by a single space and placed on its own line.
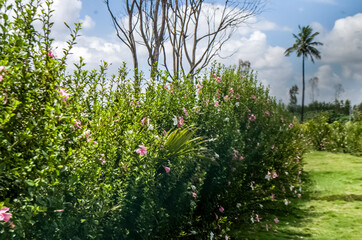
x=305 y=47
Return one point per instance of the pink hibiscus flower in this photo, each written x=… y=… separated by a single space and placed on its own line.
x=4 y=216
x=142 y=151
x=180 y=121
x=221 y=209
x=167 y=169
x=252 y=118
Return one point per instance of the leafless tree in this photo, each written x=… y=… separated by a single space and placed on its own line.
x=188 y=33
x=314 y=85
x=339 y=90
x=244 y=64
x=126 y=33
x=198 y=30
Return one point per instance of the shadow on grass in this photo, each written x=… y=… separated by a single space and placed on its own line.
x=347 y=198
x=289 y=226
x=291 y=220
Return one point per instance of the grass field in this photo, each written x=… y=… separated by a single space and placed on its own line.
x=333 y=209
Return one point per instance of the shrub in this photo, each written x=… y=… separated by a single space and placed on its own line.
x=84 y=157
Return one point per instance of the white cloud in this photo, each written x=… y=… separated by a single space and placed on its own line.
x=259 y=24
x=65 y=11
x=344 y=42
x=342 y=56
x=273 y=68
x=87 y=22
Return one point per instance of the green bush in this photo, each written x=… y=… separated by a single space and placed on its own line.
x=334 y=137
x=82 y=156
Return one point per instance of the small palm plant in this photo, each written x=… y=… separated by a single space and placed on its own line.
x=180 y=142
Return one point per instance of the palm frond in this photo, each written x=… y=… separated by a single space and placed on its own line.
x=180 y=142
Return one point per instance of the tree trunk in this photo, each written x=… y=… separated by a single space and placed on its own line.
x=303 y=92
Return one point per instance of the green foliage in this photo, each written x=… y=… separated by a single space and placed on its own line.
x=86 y=156
x=335 y=137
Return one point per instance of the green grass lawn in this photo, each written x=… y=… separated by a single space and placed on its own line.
x=333 y=209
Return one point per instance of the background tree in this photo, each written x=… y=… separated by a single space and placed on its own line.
x=189 y=32
x=314 y=86
x=338 y=91
x=305 y=47
x=293 y=91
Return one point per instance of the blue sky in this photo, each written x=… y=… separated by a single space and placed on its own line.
x=262 y=41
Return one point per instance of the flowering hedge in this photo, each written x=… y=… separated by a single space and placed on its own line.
x=84 y=157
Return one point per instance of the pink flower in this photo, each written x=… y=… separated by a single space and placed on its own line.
x=164 y=131
x=142 y=150
x=103 y=161
x=180 y=121
x=266 y=227
x=185 y=112
x=276 y=220
x=216 y=103
x=214 y=75
x=64 y=95
x=267 y=113
x=199 y=87
x=237 y=96
x=167 y=169
x=300 y=172
x=1 y=78
x=257 y=218
x=241 y=157
x=143 y=121
x=12 y=225
x=194 y=195
x=231 y=90
x=2 y=68
x=60 y=210
x=252 y=118
x=221 y=209
x=4 y=216
x=207 y=102
x=275 y=175
x=253 y=96
x=216 y=216
x=226 y=97
x=226 y=237
x=291 y=125
x=282 y=119
x=50 y=54
x=273 y=196
x=235 y=154
x=77 y=124
x=218 y=79
x=299 y=195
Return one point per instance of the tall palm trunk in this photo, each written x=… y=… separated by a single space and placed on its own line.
x=303 y=92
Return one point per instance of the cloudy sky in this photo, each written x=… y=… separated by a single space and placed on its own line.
x=262 y=41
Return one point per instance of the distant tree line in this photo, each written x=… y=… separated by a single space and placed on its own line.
x=339 y=110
